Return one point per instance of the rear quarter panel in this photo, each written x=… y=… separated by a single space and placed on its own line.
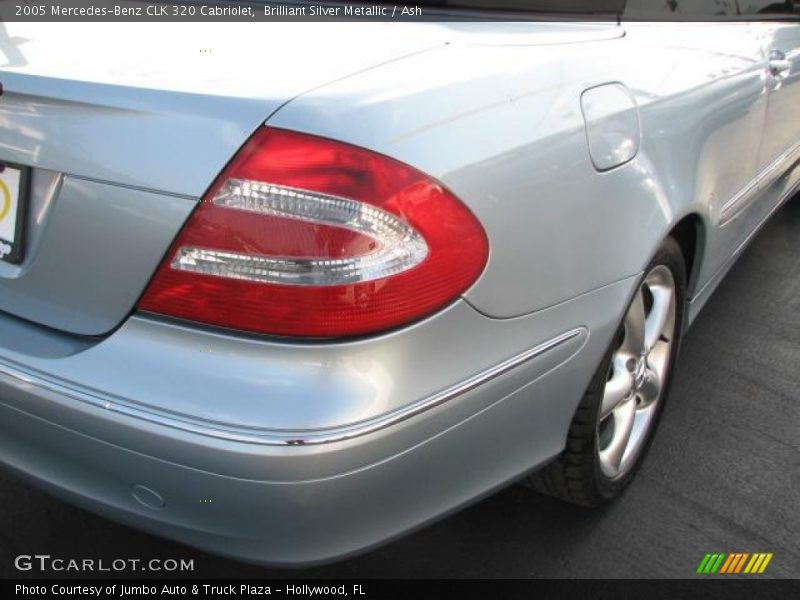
x=497 y=118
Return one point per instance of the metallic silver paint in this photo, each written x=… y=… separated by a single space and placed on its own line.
x=754 y=189
x=121 y=151
x=93 y=247
x=702 y=96
x=273 y=437
x=96 y=101
x=304 y=494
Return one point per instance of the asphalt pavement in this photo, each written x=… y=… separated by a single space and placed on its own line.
x=723 y=473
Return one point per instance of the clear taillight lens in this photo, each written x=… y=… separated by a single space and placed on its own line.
x=397 y=247
x=305 y=236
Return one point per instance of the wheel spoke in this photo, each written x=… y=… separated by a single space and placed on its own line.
x=618 y=387
x=612 y=455
x=640 y=366
x=635 y=326
x=660 y=312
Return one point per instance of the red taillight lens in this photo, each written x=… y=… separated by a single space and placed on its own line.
x=305 y=236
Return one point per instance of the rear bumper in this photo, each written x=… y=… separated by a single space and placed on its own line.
x=305 y=495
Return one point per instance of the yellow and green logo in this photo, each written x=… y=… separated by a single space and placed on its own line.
x=736 y=562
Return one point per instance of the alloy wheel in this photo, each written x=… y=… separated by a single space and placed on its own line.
x=638 y=371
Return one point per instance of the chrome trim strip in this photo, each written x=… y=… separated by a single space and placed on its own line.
x=733 y=207
x=718 y=275
x=284 y=437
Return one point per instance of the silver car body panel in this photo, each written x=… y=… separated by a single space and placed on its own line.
x=261 y=386
x=271 y=435
x=97 y=102
x=105 y=239
x=287 y=436
x=295 y=503
x=72 y=108
x=702 y=106
x=160 y=132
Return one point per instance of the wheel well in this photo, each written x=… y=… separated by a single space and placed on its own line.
x=689 y=233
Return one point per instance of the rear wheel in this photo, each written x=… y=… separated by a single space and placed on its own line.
x=616 y=419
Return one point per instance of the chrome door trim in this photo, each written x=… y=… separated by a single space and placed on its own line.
x=708 y=288
x=748 y=194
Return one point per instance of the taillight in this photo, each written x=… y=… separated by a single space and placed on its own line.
x=305 y=236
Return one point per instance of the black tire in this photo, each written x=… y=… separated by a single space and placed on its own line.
x=575 y=476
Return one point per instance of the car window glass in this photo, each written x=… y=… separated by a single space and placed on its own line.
x=677 y=8
x=766 y=7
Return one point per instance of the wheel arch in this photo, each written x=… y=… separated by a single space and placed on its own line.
x=690 y=234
